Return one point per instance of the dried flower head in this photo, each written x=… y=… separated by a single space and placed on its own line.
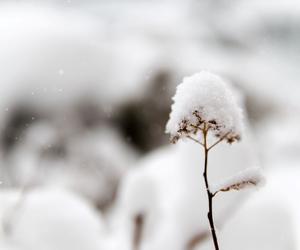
x=205 y=101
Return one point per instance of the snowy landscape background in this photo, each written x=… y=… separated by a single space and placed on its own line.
x=86 y=90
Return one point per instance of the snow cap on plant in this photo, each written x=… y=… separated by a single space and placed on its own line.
x=205 y=100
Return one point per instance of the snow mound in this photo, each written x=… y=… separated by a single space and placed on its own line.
x=48 y=219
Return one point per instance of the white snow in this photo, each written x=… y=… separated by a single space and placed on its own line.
x=51 y=57
x=48 y=219
x=210 y=96
x=246 y=178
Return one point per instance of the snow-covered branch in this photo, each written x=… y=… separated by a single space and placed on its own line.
x=247 y=178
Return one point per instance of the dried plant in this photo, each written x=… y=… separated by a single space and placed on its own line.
x=205 y=107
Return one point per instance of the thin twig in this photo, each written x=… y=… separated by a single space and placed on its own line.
x=218 y=141
x=193 y=139
x=215 y=193
x=197 y=127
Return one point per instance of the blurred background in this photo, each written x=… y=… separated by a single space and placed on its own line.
x=86 y=89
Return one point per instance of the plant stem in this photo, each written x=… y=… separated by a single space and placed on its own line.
x=138 y=231
x=209 y=194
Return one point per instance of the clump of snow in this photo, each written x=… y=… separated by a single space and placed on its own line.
x=205 y=99
x=245 y=178
x=51 y=218
x=140 y=194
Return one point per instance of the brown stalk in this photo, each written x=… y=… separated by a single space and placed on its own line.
x=195 y=240
x=138 y=231
x=209 y=194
